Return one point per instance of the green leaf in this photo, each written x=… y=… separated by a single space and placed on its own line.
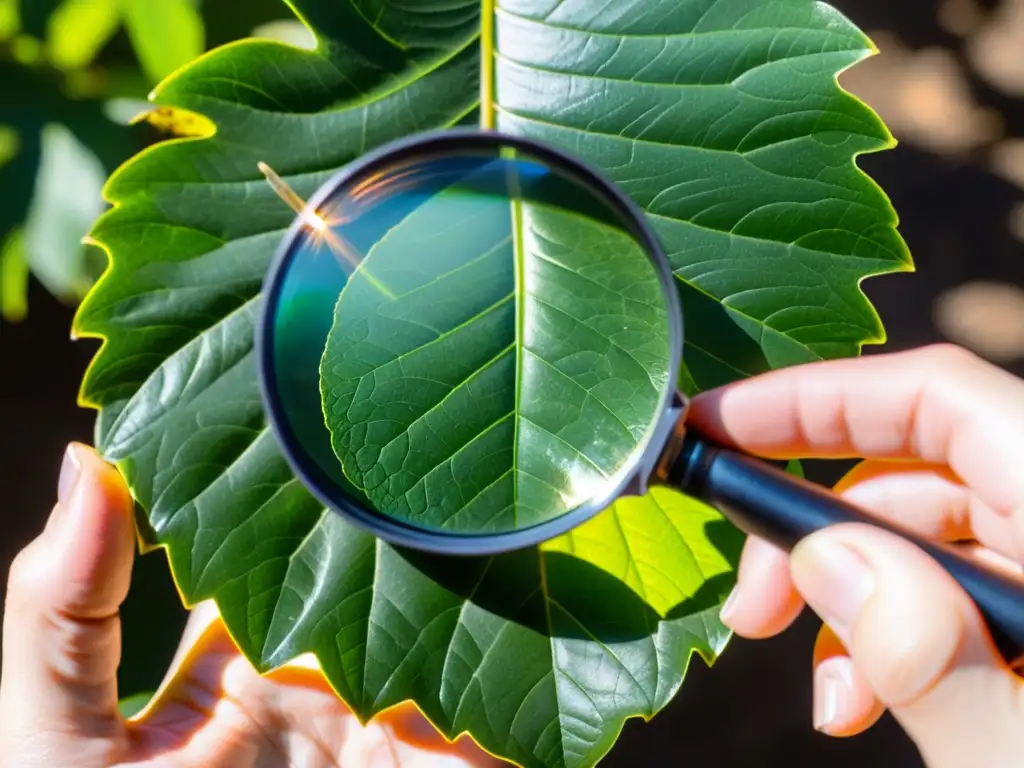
x=166 y=34
x=505 y=380
x=78 y=30
x=67 y=199
x=10 y=19
x=721 y=117
x=22 y=149
x=13 y=278
x=9 y=144
x=56 y=152
x=734 y=137
x=132 y=705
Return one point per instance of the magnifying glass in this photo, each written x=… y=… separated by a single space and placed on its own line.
x=470 y=344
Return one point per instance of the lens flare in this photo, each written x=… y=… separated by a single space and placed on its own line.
x=323 y=231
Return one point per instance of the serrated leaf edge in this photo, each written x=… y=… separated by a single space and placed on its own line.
x=77 y=332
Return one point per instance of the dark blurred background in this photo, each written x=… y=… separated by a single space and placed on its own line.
x=950 y=83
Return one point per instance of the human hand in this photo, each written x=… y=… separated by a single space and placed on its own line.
x=942 y=433
x=61 y=648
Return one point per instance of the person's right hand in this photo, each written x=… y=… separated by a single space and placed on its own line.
x=943 y=437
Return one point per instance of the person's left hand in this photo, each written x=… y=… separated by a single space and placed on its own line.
x=62 y=645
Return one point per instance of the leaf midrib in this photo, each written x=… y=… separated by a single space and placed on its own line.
x=520 y=340
x=487 y=60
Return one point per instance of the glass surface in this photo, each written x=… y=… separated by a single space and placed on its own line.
x=468 y=342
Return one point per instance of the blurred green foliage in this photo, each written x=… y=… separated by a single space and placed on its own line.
x=74 y=76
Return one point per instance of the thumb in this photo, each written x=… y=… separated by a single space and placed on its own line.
x=919 y=642
x=62 y=633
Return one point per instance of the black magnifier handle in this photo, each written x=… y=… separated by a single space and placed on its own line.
x=765 y=501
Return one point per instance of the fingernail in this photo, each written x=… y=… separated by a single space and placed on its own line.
x=833 y=680
x=70 y=472
x=729 y=607
x=833 y=579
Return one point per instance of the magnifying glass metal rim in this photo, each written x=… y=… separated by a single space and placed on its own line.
x=396 y=532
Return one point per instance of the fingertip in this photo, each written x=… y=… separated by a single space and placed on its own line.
x=705 y=414
x=756 y=415
x=108 y=480
x=900 y=614
x=844 y=704
x=83 y=470
x=858 y=708
x=62 y=626
x=764 y=602
x=95 y=538
x=723 y=414
x=923 y=648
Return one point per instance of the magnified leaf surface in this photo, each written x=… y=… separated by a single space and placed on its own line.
x=496 y=370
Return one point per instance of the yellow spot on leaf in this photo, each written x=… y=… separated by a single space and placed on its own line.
x=177 y=122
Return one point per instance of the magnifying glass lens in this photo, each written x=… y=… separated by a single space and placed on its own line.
x=467 y=341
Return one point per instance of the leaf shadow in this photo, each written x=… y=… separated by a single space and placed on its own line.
x=709 y=325
x=728 y=541
x=561 y=595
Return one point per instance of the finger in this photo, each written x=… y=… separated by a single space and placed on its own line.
x=925 y=497
x=61 y=633
x=939 y=404
x=931 y=500
x=764 y=602
x=204 y=636
x=844 y=704
x=918 y=640
x=215 y=709
x=200 y=715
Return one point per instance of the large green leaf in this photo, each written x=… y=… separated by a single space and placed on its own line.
x=722 y=118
